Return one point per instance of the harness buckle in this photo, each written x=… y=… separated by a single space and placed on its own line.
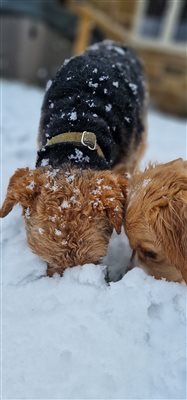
x=89 y=140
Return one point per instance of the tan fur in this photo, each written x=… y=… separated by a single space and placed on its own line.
x=69 y=215
x=130 y=162
x=156 y=219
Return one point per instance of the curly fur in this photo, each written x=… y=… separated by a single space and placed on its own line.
x=156 y=219
x=69 y=215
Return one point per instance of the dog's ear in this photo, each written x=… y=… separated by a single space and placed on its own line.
x=173 y=219
x=114 y=202
x=23 y=187
x=174 y=163
x=178 y=212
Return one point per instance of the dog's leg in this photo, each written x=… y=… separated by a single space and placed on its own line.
x=131 y=162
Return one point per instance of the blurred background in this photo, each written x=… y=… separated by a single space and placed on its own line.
x=38 y=35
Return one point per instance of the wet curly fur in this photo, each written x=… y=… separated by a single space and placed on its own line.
x=70 y=215
x=156 y=219
x=74 y=198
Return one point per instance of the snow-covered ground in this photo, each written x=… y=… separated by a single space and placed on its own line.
x=77 y=337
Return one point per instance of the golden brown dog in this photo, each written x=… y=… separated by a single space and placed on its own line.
x=69 y=215
x=156 y=219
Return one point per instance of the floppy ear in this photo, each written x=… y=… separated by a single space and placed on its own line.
x=179 y=208
x=177 y=162
x=23 y=188
x=114 y=203
x=174 y=221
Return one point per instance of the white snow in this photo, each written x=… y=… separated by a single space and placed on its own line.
x=54 y=187
x=108 y=107
x=69 y=177
x=99 y=180
x=48 y=85
x=52 y=173
x=51 y=105
x=31 y=185
x=27 y=213
x=73 y=116
x=116 y=84
x=91 y=84
x=52 y=218
x=78 y=156
x=77 y=337
x=116 y=48
x=65 y=204
x=45 y=162
x=58 y=232
x=127 y=119
x=41 y=231
x=94 y=47
x=107 y=187
x=103 y=78
x=146 y=182
x=133 y=87
x=90 y=103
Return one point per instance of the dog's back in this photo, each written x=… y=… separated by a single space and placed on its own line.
x=101 y=91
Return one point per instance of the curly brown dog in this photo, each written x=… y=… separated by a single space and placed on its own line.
x=92 y=121
x=156 y=219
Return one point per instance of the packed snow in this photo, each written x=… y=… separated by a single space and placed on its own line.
x=77 y=337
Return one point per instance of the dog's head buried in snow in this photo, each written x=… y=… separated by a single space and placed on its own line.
x=69 y=216
x=92 y=122
x=156 y=219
